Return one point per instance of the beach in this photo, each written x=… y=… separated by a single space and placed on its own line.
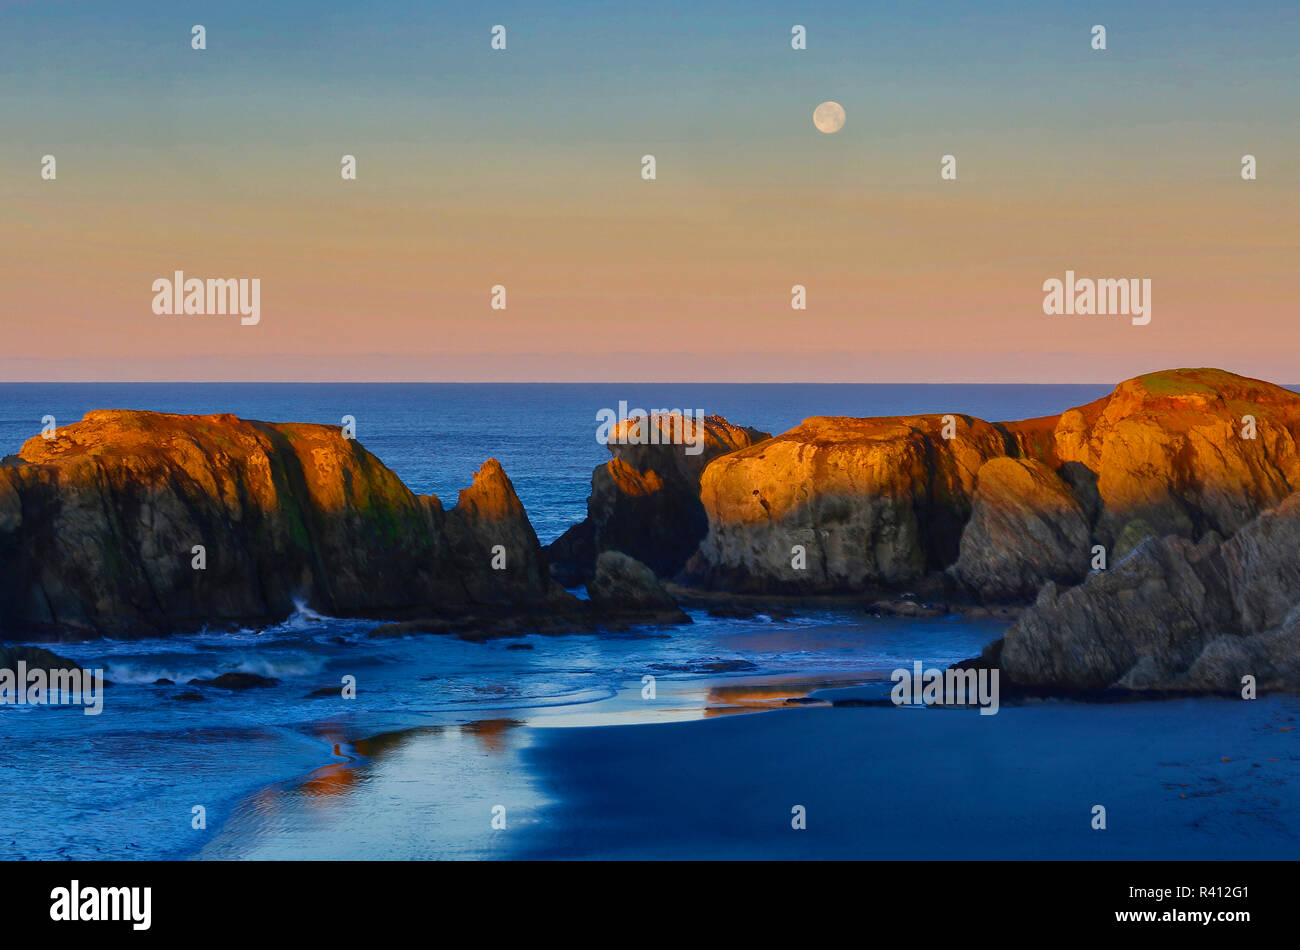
x=1200 y=778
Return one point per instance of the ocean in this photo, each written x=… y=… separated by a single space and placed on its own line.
x=442 y=732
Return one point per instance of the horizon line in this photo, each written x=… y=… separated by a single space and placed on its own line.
x=532 y=382
x=556 y=382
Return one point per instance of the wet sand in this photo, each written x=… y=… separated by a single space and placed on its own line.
x=1201 y=778
x=682 y=777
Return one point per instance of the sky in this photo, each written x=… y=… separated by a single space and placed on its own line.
x=522 y=168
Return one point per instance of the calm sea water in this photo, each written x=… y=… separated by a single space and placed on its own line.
x=439 y=728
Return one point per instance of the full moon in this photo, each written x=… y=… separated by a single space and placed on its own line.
x=829 y=117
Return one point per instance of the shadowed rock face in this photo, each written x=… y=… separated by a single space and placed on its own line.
x=622 y=583
x=1173 y=615
x=884 y=503
x=1027 y=526
x=645 y=501
x=98 y=527
x=35 y=659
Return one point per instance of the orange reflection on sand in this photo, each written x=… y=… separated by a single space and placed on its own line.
x=491 y=733
x=726 y=699
x=329 y=782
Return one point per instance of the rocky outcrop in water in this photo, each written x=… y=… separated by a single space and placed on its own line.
x=1179 y=486
x=133 y=524
x=841 y=505
x=1174 y=614
x=34 y=658
x=622 y=583
x=852 y=506
x=645 y=501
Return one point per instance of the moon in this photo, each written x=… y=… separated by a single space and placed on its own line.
x=829 y=117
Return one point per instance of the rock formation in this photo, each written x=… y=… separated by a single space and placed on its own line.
x=489 y=524
x=645 y=501
x=1183 y=452
x=624 y=584
x=100 y=526
x=870 y=503
x=1181 y=486
x=34 y=658
x=885 y=504
x=1173 y=614
x=1026 y=527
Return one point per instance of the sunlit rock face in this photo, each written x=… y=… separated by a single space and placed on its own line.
x=869 y=501
x=489 y=528
x=1168 y=451
x=882 y=503
x=645 y=501
x=98 y=529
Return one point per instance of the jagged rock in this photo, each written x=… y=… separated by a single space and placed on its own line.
x=35 y=658
x=645 y=501
x=100 y=539
x=1026 y=527
x=1263 y=565
x=1163 y=601
x=489 y=526
x=1272 y=658
x=624 y=584
x=1173 y=615
x=990 y=658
